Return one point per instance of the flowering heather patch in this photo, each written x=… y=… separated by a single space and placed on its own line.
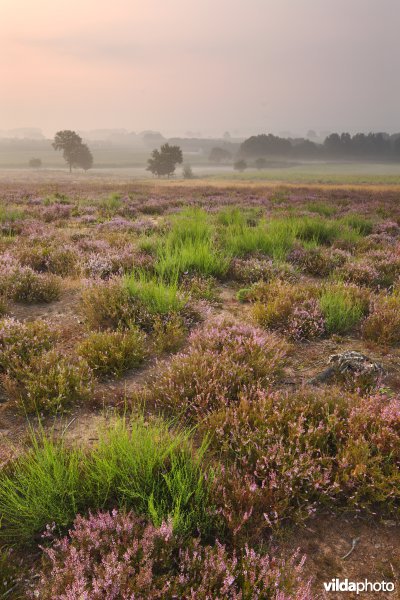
x=318 y=261
x=21 y=343
x=390 y=228
x=222 y=360
x=119 y=557
x=108 y=305
x=325 y=446
x=383 y=323
x=59 y=259
x=51 y=383
x=306 y=322
x=117 y=224
x=113 y=352
x=255 y=269
x=144 y=226
x=55 y=212
x=27 y=286
x=360 y=272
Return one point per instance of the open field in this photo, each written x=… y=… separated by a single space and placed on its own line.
x=165 y=373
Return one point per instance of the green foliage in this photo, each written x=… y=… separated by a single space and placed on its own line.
x=164 y=161
x=75 y=152
x=147 y=468
x=157 y=296
x=42 y=486
x=113 y=352
x=343 y=307
x=141 y=465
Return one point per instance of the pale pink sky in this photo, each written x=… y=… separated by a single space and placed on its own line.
x=203 y=65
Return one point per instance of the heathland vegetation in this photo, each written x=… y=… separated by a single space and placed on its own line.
x=166 y=431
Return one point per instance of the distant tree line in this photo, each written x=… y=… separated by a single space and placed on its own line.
x=361 y=146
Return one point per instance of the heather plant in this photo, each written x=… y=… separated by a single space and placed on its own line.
x=360 y=272
x=306 y=321
x=254 y=269
x=383 y=323
x=27 y=286
x=49 y=384
x=169 y=333
x=113 y=352
x=59 y=260
x=317 y=261
x=199 y=288
x=222 y=359
x=22 y=343
x=343 y=306
x=109 y=305
x=327 y=447
x=119 y=556
x=274 y=302
x=3 y=305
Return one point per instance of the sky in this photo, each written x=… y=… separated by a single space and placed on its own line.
x=209 y=66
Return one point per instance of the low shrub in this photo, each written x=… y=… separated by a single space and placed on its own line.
x=113 y=352
x=119 y=557
x=254 y=269
x=51 y=383
x=169 y=333
x=319 y=262
x=306 y=321
x=27 y=286
x=275 y=302
x=361 y=272
x=22 y=343
x=222 y=359
x=383 y=323
x=108 y=305
x=343 y=306
x=327 y=447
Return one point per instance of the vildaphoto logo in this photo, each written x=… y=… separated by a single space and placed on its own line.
x=345 y=585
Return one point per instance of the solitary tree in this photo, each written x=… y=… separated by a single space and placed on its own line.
x=75 y=152
x=164 y=161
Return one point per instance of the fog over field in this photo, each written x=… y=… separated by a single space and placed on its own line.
x=200 y=67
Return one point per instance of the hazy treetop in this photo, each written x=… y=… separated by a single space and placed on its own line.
x=211 y=66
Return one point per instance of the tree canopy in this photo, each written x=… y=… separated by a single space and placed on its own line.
x=164 y=161
x=75 y=152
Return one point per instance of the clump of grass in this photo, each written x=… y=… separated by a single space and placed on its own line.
x=189 y=248
x=157 y=296
x=145 y=466
x=321 y=208
x=113 y=352
x=343 y=307
x=359 y=224
x=40 y=487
